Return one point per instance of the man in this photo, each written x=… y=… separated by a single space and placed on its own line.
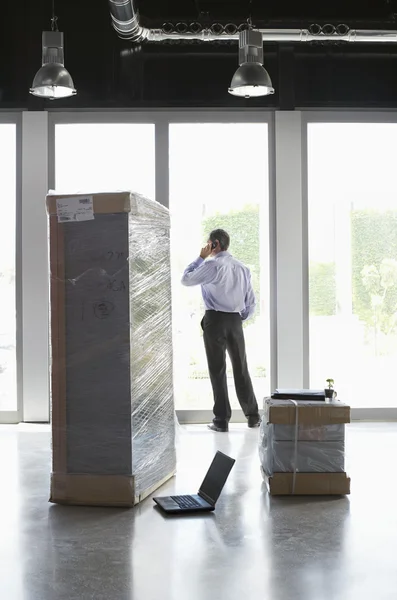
x=229 y=300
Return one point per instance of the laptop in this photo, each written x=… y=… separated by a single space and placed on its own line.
x=208 y=493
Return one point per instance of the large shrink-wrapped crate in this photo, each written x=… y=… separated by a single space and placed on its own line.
x=113 y=422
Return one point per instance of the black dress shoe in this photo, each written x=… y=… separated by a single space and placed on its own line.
x=214 y=427
x=254 y=422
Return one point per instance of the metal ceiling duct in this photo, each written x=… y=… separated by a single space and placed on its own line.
x=125 y=19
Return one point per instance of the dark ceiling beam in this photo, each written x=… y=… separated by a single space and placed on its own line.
x=286 y=79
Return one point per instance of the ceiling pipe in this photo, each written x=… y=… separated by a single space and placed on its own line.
x=278 y=35
x=125 y=19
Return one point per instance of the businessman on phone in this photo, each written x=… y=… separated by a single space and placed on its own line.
x=229 y=300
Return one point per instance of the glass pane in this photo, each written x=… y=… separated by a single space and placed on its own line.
x=8 y=381
x=218 y=178
x=353 y=260
x=97 y=157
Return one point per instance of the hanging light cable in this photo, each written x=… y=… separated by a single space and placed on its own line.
x=52 y=80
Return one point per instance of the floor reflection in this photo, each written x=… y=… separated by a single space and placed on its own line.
x=308 y=537
x=253 y=546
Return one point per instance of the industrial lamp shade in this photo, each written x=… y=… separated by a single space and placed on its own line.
x=251 y=80
x=52 y=80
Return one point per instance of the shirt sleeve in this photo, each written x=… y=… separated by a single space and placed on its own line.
x=200 y=272
x=250 y=302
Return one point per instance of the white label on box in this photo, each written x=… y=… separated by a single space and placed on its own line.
x=70 y=210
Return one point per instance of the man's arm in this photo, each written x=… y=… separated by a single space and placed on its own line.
x=200 y=272
x=250 y=302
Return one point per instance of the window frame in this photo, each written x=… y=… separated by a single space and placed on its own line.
x=15 y=416
x=376 y=413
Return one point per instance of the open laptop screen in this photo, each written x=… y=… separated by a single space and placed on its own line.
x=216 y=477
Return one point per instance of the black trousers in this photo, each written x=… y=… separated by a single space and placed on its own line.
x=224 y=332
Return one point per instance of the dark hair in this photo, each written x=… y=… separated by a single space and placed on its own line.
x=222 y=237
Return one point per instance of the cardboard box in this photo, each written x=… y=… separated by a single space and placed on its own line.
x=308 y=484
x=314 y=465
x=113 y=419
x=309 y=433
x=283 y=412
x=311 y=457
x=92 y=490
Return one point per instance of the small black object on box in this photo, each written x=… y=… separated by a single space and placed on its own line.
x=299 y=395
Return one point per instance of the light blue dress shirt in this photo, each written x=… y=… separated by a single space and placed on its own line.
x=225 y=284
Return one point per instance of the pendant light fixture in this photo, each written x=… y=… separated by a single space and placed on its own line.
x=53 y=81
x=251 y=78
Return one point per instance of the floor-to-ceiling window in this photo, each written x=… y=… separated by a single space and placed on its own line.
x=352 y=237
x=8 y=323
x=95 y=157
x=219 y=178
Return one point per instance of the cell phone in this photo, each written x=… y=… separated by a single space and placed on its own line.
x=214 y=245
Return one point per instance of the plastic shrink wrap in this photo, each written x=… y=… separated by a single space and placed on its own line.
x=302 y=447
x=113 y=420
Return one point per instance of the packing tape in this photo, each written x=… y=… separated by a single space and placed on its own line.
x=295 y=461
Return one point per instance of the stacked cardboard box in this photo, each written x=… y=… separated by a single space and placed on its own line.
x=113 y=422
x=302 y=447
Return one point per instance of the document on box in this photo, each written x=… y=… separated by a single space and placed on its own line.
x=74 y=209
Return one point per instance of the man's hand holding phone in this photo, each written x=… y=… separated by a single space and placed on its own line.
x=206 y=251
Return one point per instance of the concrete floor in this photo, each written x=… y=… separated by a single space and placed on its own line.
x=252 y=547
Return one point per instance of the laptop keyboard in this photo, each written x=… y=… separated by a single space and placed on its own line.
x=186 y=502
